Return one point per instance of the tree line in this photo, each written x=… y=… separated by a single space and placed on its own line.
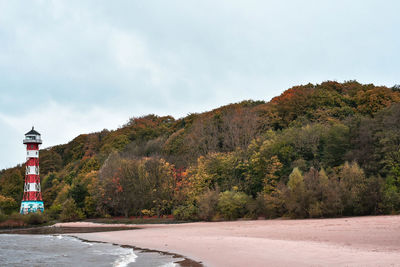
x=325 y=150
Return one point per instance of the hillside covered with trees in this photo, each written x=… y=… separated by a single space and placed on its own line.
x=325 y=150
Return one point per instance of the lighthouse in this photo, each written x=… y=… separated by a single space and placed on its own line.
x=32 y=200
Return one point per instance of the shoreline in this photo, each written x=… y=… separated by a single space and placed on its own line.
x=60 y=229
x=186 y=262
x=354 y=241
x=351 y=241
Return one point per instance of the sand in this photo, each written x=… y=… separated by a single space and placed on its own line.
x=357 y=241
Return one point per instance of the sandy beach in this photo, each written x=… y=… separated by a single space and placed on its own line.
x=357 y=241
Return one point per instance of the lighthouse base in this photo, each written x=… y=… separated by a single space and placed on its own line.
x=31 y=206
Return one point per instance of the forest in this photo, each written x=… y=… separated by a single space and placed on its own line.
x=324 y=150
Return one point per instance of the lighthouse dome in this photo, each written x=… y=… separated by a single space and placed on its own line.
x=32 y=137
x=32 y=132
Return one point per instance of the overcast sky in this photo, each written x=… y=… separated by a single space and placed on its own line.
x=71 y=67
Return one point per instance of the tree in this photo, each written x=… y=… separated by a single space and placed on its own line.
x=354 y=187
x=78 y=193
x=50 y=161
x=376 y=142
x=7 y=205
x=296 y=195
x=119 y=181
x=219 y=170
x=391 y=196
x=161 y=180
x=323 y=198
x=263 y=168
x=312 y=195
x=131 y=185
x=374 y=99
x=208 y=203
x=12 y=184
x=71 y=212
x=233 y=205
x=271 y=205
x=336 y=143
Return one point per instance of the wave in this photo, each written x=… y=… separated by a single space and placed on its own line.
x=170 y=264
x=124 y=260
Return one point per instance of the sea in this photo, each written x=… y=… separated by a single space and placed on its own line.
x=62 y=250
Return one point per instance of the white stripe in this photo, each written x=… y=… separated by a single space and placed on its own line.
x=32 y=153
x=32 y=187
x=32 y=170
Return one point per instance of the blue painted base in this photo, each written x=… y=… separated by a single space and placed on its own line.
x=31 y=206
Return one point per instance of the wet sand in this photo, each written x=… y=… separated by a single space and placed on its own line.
x=51 y=230
x=87 y=227
x=357 y=241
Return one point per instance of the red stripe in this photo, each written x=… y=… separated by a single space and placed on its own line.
x=32 y=146
x=32 y=162
x=32 y=179
x=32 y=196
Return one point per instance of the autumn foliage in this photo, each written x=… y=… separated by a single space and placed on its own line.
x=324 y=150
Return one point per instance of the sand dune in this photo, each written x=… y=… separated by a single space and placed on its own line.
x=358 y=241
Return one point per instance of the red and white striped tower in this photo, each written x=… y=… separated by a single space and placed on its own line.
x=32 y=200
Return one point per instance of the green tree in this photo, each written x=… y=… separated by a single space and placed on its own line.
x=263 y=168
x=7 y=205
x=391 y=196
x=233 y=205
x=356 y=189
x=219 y=170
x=336 y=143
x=71 y=212
x=78 y=192
x=295 y=199
x=12 y=184
x=50 y=161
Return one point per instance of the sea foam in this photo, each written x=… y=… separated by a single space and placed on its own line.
x=125 y=259
x=170 y=264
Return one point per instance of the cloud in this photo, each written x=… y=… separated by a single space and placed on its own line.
x=57 y=124
x=82 y=60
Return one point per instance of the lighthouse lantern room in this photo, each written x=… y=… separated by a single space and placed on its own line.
x=32 y=200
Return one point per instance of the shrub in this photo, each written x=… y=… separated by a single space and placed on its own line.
x=3 y=217
x=186 y=213
x=54 y=211
x=7 y=204
x=391 y=198
x=146 y=212
x=17 y=216
x=90 y=207
x=35 y=218
x=71 y=212
x=233 y=205
x=208 y=203
x=315 y=210
x=270 y=205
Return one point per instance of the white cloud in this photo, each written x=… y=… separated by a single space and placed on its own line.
x=57 y=124
x=90 y=65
